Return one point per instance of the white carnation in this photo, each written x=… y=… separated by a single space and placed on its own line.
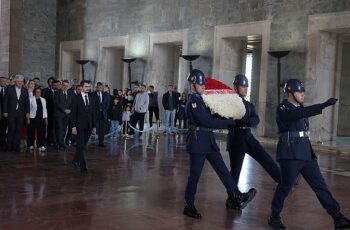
x=226 y=105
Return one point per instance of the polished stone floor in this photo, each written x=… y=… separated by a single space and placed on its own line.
x=139 y=184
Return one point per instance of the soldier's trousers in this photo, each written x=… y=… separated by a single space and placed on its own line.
x=310 y=170
x=196 y=166
x=259 y=154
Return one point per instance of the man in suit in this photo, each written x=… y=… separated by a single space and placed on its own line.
x=83 y=120
x=102 y=104
x=3 y=123
x=16 y=107
x=62 y=101
x=48 y=94
x=70 y=139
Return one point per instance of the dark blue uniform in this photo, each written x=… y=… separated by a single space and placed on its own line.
x=295 y=155
x=201 y=145
x=241 y=141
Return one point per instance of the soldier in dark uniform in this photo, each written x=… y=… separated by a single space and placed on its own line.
x=201 y=145
x=295 y=155
x=241 y=141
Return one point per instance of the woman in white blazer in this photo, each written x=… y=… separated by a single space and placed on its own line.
x=37 y=121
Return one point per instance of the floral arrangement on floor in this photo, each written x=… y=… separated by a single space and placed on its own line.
x=221 y=99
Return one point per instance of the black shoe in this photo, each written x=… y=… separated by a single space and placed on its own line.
x=68 y=143
x=276 y=223
x=238 y=200
x=16 y=149
x=76 y=164
x=101 y=145
x=232 y=204
x=83 y=169
x=341 y=222
x=191 y=211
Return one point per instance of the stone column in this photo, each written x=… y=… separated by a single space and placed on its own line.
x=320 y=86
x=254 y=88
x=4 y=36
x=16 y=35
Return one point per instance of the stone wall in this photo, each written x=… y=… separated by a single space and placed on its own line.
x=28 y=38
x=39 y=37
x=89 y=20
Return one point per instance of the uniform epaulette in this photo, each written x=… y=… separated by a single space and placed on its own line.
x=283 y=107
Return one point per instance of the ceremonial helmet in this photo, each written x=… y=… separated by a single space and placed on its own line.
x=240 y=80
x=196 y=77
x=293 y=85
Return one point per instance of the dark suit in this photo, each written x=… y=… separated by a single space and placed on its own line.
x=83 y=118
x=3 y=120
x=69 y=137
x=102 y=113
x=48 y=94
x=16 y=109
x=62 y=102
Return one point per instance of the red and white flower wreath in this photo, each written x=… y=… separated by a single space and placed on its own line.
x=221 y=99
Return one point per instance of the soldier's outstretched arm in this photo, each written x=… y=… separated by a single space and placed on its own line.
x=287 y=114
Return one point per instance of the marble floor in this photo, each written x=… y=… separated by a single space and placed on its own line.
x=139 y=184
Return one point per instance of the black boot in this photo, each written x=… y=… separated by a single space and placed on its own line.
x=237 y=200
x=276 y=223
x=340 y=221
x=191 y=211
x=231 y=203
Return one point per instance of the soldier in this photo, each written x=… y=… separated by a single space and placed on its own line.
x=295 y=155
x=241 y=140
x=201 y=145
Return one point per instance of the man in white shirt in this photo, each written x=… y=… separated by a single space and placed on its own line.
x=140 y=108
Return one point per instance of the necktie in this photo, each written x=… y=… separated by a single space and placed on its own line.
x=65 y=94
x=86 y=101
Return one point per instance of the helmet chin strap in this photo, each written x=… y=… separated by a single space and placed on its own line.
x=194 y=87
x=236 y=88
x=295 y=99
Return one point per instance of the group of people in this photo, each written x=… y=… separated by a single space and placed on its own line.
x=39 y=117
x=52 y=116
x=294 y=152
x=72 y=114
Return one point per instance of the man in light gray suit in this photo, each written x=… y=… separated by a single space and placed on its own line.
x=139 y=109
